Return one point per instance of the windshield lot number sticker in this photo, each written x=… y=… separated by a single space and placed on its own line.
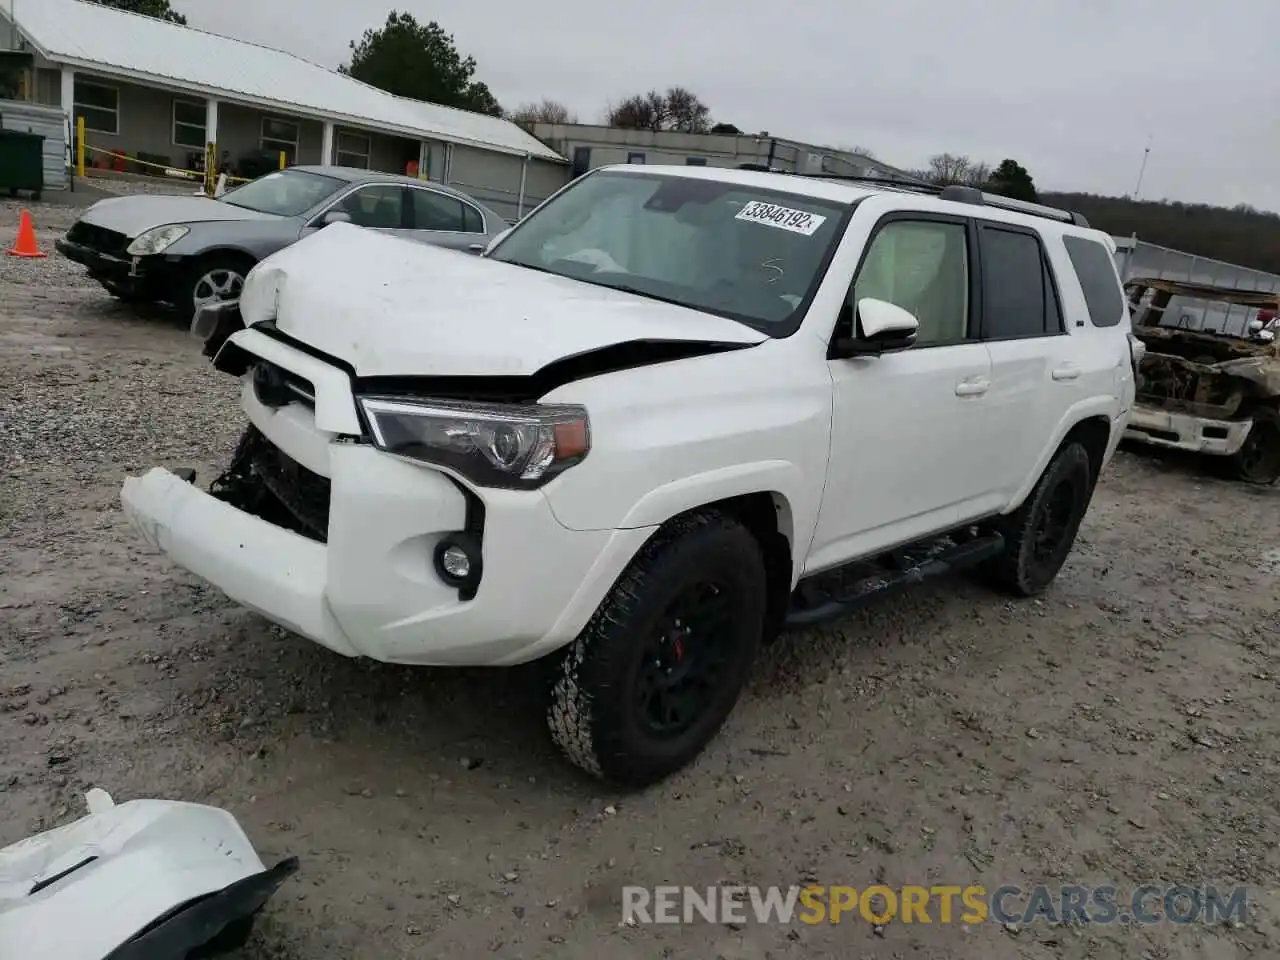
x=784 y=218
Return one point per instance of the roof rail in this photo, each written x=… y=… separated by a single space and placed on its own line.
x=958 y=193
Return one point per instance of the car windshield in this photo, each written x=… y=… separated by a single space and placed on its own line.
x=736 y=250
x=286 y=193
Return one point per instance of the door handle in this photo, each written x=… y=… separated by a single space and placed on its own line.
x=973 y=388
x=476 y=248
x=1068 y=371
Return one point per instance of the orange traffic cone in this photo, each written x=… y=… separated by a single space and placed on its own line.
x=26 y=243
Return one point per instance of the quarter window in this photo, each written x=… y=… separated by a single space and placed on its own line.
x=923 y=267
x=188 y=124
x=1014 y=294
x=1096 y=270
x=99 y=105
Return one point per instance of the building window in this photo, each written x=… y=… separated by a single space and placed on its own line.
x=99 y=105
x=188 y=124
x=695 y=161
x=581 y=161
x=353 y=150
x=280 y=135
x=635 y=158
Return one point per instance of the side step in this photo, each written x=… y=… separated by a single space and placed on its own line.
x=834 y=594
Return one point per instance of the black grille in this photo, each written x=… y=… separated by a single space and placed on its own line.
x=303 y=493
x=98 y=238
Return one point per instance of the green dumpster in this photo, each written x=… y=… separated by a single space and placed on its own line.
x=21 y=162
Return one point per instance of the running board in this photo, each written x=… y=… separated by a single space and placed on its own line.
x=812 y=604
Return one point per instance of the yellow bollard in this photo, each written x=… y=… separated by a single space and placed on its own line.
x=281 y=159
x=79 y=146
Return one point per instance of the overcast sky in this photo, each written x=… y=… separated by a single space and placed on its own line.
x=1072 y=89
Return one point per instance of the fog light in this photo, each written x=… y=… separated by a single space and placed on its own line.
x=457 y=559
x=455 y=562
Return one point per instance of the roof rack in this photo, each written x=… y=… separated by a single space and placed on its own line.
x=959 y=194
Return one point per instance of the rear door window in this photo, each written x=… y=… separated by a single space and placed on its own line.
x=1096 y=270
x=1015 y=290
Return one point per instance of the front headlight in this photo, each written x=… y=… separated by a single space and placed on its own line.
x=492 y=445
x=156 y=240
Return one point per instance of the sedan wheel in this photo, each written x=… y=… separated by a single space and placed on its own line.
x=220 y=283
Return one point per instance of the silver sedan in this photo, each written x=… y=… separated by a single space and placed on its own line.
x=192 y=251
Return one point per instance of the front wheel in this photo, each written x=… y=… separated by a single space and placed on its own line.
x=654 y=675
x=1039 y=534
x=1258 y=461
x=211 y=279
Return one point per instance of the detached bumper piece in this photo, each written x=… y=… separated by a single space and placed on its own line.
x=143 y=880
x=214 y=925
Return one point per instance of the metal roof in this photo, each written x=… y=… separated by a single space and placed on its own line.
x=91 y=37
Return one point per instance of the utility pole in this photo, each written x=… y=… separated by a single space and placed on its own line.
x=1143 y=169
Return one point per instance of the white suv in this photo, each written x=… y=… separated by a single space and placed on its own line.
x=669 y=413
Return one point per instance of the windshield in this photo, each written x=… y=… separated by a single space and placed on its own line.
x=738 y=251
x=286 y=193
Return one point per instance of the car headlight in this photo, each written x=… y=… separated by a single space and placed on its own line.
x=156 y=240
x=490 y=444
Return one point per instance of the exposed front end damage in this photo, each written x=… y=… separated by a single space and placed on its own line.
x=1204 y=390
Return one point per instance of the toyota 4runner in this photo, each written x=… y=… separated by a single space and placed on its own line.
x=668 y=414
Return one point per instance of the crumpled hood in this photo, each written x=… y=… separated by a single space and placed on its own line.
x=134 y=215
x=390 y=307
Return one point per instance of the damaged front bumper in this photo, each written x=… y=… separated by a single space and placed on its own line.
x=144 y=879
x=1183 y=431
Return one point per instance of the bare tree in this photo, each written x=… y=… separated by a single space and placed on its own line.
x=677 y=109
x=949 y=168
x=685 y=112
x=546 y=111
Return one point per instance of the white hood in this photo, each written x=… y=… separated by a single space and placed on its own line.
x=391 y=307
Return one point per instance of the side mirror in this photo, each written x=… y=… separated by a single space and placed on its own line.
x=1255 y=325
x=495 y=241
x=879 y=327
x=335 y=216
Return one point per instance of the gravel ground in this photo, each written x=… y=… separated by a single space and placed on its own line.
x=1122 y=729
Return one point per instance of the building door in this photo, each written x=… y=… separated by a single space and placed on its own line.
x=581 y=160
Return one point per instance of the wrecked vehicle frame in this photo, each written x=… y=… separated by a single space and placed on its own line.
x=1206 y=390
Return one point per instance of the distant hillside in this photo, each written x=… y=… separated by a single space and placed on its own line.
x=1240 y=235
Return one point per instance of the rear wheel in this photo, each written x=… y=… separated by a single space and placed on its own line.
x=655 y=674
x=1039 y=535
x=1258 y=461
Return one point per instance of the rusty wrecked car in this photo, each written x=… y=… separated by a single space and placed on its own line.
x=1209 y=380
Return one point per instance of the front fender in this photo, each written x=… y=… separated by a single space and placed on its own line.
x=779 y=478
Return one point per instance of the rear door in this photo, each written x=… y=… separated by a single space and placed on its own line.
x=445 y=220
x=1036 y=365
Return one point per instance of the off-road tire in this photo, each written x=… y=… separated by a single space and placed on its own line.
x=1265 y=431
x=593 y=714
x=1018 y=570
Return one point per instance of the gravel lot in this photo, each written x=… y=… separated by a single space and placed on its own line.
x=1121 y=730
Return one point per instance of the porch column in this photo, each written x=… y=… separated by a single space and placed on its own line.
x=211 y=122
x=75 y=151
x=69 y=95
x=326 y=143
x=424 y=159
